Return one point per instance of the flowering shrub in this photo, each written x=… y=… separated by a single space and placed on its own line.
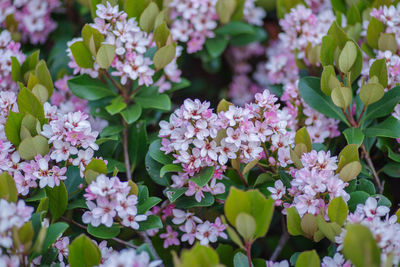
x=118 y=146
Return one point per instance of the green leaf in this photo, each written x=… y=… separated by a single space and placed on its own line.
x=338 y=210
x=158 y=155
x=137 y=144
x=111 y=130
x=15 y=70
x=330 y=230
x=347 y=57
x=371 y=93
x=32 y=146
x=54 y=231
x=82 y=55
x=175 y=193
x=217 y=45
x=29 y=104
x=41 y=93
x=348 y=154
x=309 y=224
x=134 y=8
x=43 y=75
x=350 y=171
x=309 y=88
x=308 y=259
x=152 y=222
x=388 y=128
x=58 y=200
x=392 y=169
x=302 y=137
x=245 y=225
x=161 y=35
x=116 y=106
x=132 y=113
x=8 y=190
x=153 y=169
x=342 y=97
x=366 y=186
x=253 y=203
x=325 y=78
x=374 y=30
x=170 y=168
x=354 y=136
x=379 y=69
x=328 y=47
x=235 y=28
x=148 y=17
x=186 y=202
x=360 y=247
x=357 y=197
x=148 y=204
x=164 y=56
x=105 y=55
x=240 y=260
x=13 y=127
x=83 y=252
x=103 y=231
x=225 y=10
x=161 y=102
x=393 y=155
x=203 y=177
x=92 y=39
x=384 y=106
x=199 y=256
x=88 y=88
x=293 y=221
x=387 y=42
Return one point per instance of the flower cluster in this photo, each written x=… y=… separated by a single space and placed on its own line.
x=108 y=198
x=193 y=21
x=384 y=228
x=242 y=89
x=33 y=17
x=199 y=138
x=67 y=102
x=12 y=215
x=302 y=28
x=187 y=226
x=129 y=258
x=390 y=17
x=8 y=49
x=313 y=186
x=130 y=42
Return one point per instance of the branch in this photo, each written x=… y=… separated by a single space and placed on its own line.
x=282 y=241
x=372 y=167
x=147 y=240
x=126 y=150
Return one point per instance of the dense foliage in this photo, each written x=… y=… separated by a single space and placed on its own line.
x=199 y=133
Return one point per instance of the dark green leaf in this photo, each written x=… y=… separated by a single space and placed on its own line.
x=103 y=231
x=58 y=200
x=202 y=178
x=152 y=222
x=88 y=88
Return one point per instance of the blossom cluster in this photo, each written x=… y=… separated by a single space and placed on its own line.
x=313 y=186
x=384 y=228
x=186 y=225
x=129 y=257
x=12 y=215
x=72 y=141
x=33 y=18
x=193 y=21
x=301 y=28
x=198 y=138
x=131 y=43
x=242 y=89
x=8 y=49
x=108 y=198
x=390 y=17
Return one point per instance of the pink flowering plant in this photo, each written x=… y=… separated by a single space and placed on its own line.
x=199 y=133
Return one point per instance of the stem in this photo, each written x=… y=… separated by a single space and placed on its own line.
x=242 y=178
x=122 y=242
x=362 y=113
x=372 y=167
x=126 y=151
x=147 y=240
x=282 y=241
x=248 y=252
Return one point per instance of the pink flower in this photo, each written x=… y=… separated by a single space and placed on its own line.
x=170 y=237
x=194 y=189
